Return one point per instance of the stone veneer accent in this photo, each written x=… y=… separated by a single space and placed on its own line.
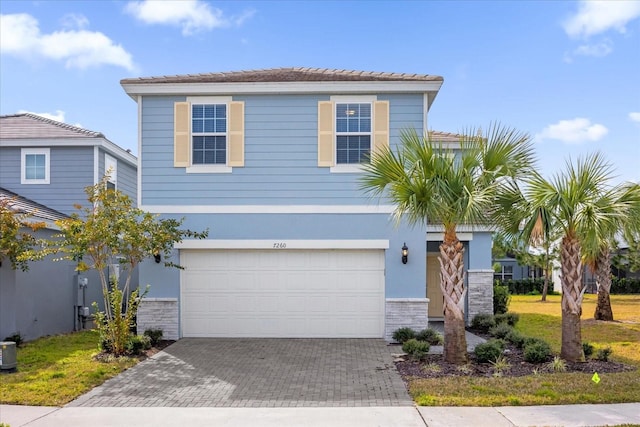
x=405 y=312
x=159 y=313
x=479 y=293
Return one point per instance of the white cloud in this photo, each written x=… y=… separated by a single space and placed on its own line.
x=596 y=17
x=74 y=20
x=192 y=16
x=574 y=131
x=635 y=116
x=20 y=35
x=597 y=50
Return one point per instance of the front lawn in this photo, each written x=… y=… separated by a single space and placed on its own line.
x=543 y=320
x=53 y=371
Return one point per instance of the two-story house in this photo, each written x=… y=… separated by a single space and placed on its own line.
x=45 y=166
x=269 y=161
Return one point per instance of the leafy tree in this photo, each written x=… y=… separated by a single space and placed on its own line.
x=17 y=244
x=582 y=205
x=428 y=183
x=597 y=254
x=111 y=231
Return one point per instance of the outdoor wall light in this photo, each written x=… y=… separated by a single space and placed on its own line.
x=157 y=257
x=405 y=253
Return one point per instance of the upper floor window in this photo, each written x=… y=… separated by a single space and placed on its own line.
x=209 y=134
x=353 y=133
x=34 y=168
x=111 y=168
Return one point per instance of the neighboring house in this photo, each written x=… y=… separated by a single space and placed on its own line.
x=268 y=161
x=49 y=164
x=39 y=301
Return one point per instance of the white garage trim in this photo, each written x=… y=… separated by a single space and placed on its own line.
x=279 y=244
x=288 y=294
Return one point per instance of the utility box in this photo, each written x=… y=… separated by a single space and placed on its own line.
x=8 y=359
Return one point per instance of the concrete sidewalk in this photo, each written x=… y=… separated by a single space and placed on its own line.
x=567 y=416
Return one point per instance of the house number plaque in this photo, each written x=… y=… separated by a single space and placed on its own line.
x=279 y=245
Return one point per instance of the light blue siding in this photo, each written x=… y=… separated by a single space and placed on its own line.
x=480 y=252
x=402 y=280
x=280 y=155
x=127 y=175
x=71 y=170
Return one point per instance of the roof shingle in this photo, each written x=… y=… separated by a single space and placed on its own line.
x=22 y=205
x=27 y=126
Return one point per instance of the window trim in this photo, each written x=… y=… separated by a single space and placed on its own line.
x=208 y=168
x=110 y=161
x=23 y=164
x=354 y=168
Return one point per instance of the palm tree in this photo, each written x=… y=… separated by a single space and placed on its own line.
x=598 y=256
x=584 y=207
x=431 y=184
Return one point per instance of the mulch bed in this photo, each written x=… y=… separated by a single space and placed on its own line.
x=162 y=344
x=433 y=366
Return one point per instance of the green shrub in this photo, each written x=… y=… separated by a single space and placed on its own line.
x=516 y=338
x=483 y=322
x=501 y=297
x=489 y=351
x=155 y=335
x=625 y=286
x=604 y=353
x=501 y=330
x=138 y=343
x=431 y=336
x=16 y=337
x=536 y=351
x=587 y=348
x=403 y=335
x=416 y=349
x=509 y=318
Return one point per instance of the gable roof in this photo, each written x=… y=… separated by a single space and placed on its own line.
x=285 y=74
x=440 y=136
x=26 y=129
x=22 y=205
x=27 y=125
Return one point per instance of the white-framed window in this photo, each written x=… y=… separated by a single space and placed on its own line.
x=34 y=165
x=208 y=134
x=505 y=273
x=111 y=168
x=353 y=133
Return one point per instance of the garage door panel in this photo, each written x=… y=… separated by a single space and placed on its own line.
x=301 y=293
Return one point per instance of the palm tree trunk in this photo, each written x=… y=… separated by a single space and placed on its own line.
x=572 y=292
x=545 y=287
x=452 y=284
x=603 y=282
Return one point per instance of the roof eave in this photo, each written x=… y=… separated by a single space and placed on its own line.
x=302 y=87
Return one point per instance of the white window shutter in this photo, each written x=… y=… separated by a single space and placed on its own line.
x=326 y=134
x=236 y=134
x=181 y=134
x=380 y=126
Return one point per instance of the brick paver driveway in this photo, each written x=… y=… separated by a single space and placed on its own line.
x=259 y=373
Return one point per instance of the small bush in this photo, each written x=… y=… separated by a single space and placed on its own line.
x=500 y=365
x=516 y=338
x=489 y=351
x=16 y=337
x=501 y=297
x=587 y=348
x=501 y=330
x=557 y=365
x=155 y=335
x=537 y=351
x=138 y=343
x=604 y=353
x=431 y=336
x=483 y=322
x=509 y=318
x=416 y=349
x=403 y=335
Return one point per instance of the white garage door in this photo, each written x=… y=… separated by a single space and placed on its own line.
x=282 y=293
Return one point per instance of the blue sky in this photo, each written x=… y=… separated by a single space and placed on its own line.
x=568 y=73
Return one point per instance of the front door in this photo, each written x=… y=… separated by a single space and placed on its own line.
x=434 y=292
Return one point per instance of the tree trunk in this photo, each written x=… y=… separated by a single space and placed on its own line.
x=572 y=293
x=603 y=282
x=452 y=285
x=545 y=287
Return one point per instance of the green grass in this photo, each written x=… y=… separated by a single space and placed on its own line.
x=543 y=320
x=55 y=370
